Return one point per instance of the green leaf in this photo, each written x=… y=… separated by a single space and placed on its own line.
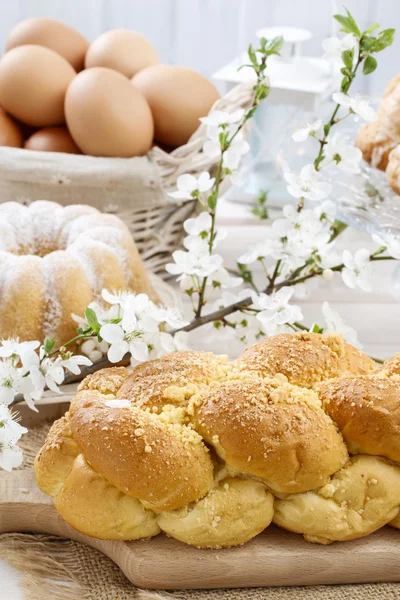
x=263 y=43
x=317 y=329
x=245 y=273
x=354 y=25
x=371 y=28
x=252 y=56
x=212 y=201
x=274 y=46
x=48 y=345
x=348 y=57
x=348 y=24
x=385 y=38
x=369 y=65
x=344 y=84
x=250 y=112
x=91 y=318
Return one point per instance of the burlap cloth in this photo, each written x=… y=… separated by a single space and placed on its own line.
x=57 y=569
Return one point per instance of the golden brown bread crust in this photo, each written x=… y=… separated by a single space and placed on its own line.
x=106 y=381
x=232 y=513
x=367 y=411
x=112 y=515
x=127 y=455
x=172 y=379
x=271 y=430
x=165 y=465
x=304 y=358
x=391 y=367
x=360 y=498
x=55 y=459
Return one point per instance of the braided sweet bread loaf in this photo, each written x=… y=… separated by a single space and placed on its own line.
x=301 y=430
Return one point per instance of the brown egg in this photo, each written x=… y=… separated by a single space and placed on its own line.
x=10 y=133
x=122 y=50
x=52 y=139
x=106 y=116
x=178 y=97
x=52 y=34
x=33 y=82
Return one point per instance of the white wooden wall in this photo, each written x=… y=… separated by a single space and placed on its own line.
x=205 y=34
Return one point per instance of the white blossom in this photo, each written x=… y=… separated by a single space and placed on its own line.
x=391 y=241
x=327 y=210
x=116 y=298
x=197 y=262
x=43 y=371
x=138 y=331
x=13 y=347
x=236 y=178
x=220 y=117
x=304 y=229
x=121 y=342
x=358 y=104
x=199 y=225
x=309 y=129
x=308 y=184
x=224 y=279
x=181 y=339
x=245 y=327
x=357 y=271
x=190 y=186
x=276 y=310
x=327 y=257
x=343 y=153
x=262 y=249
x=335 y=324
x=13 y=382
x=233 y=155
x=170 y=315
x=73 y=362
x=334 y=47
x=10 y=433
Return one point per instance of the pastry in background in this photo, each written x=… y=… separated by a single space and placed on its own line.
x=52 y=139
x=52 y=34
x=393 y=170
x=178 y=98
x=376 y=140
x=122 y=50
x=55 y=260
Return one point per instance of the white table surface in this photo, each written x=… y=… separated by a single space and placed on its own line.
x=376 y=316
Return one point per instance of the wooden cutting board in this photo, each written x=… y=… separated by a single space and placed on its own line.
x=274 y=558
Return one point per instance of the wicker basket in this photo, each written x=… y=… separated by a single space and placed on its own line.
x=135 y=189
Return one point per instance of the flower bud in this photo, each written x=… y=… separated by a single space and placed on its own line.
x=327 y=274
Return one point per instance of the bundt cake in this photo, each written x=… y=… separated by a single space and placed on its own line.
x=55 y=260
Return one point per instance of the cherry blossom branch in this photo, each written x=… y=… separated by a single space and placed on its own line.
x=261 y=91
